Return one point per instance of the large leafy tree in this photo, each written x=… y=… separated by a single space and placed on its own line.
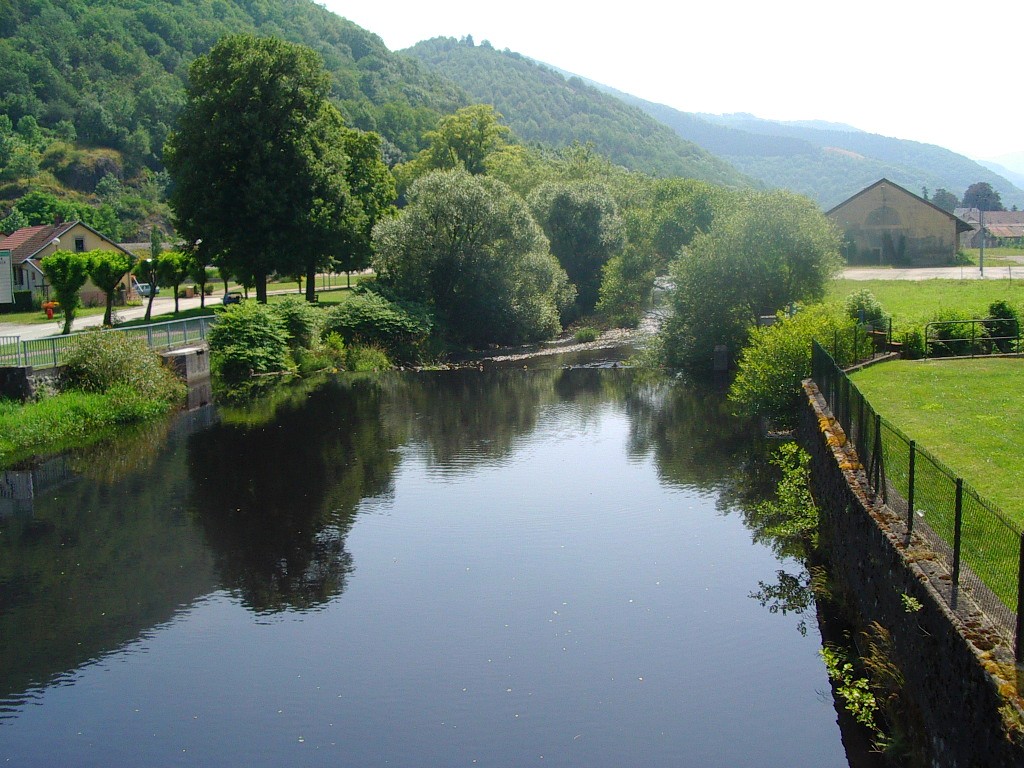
x=773 y=249
x=982 y=196
x=258 y=158
x=945 y=200
x=371 y=195
x=469 y=249
x=467 y=139
x=67 y=273
x=582 y=222
x=106 y=268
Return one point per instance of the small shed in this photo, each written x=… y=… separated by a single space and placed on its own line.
x=885 y=224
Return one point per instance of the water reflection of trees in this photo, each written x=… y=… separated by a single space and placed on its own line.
x=276 y=498
x=90 y=566
x=696 y=441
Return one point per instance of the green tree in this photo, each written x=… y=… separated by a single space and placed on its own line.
x=372 y=187
x=773 y=249
x=172 y=267
x=258 y=157
x=583 y=225
x=67 y=272
x=466 y=138
x=197 y=271
x=156 y=249
x=106 y=269
x=468 y=248
x=945 y=200
x=982 y=196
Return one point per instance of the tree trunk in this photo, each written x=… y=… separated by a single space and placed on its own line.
x=202 y=296
x=176 y=297
x=110 y=309
x=149 y=304
x=311 y=282
x=261 y=287
x=69 y=318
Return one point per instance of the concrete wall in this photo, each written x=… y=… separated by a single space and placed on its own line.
x=959 y=678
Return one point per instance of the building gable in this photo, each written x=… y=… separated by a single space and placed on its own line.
x=886 y=224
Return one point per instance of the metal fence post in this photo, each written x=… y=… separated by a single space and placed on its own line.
x=957 y=531
x=53 y=348
x=1018 y=645
x=910 y=491
x=876 y=452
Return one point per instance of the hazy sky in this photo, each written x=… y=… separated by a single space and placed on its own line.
x=934 y=72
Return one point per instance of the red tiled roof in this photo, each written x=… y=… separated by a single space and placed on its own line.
x=26 y=242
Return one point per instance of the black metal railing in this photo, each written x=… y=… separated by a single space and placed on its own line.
x=983 y=550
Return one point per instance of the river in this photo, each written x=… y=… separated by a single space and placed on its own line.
x=551 y=567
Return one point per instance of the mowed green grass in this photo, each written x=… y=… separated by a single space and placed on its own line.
x=965 y=413
x=912 y=303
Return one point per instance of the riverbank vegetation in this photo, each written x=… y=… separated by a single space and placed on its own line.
x=110 y=381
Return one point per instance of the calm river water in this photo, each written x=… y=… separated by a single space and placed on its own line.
x=509 y=568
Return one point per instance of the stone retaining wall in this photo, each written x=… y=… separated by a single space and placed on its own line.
x=960 y=678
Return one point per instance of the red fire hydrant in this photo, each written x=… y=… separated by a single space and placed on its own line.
x=49 y=311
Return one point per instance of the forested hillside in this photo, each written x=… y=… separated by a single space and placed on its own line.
x=827 y=165
x=541 y=105
x=115 y=69
x=91 y=89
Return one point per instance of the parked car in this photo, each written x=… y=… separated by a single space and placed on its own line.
x=232 y=298
x=144 y=289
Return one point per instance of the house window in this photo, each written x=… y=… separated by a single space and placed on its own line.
x=79 y=245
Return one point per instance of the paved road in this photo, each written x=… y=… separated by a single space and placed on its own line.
x=930 y=273
x=162 y=306
x=163 y=309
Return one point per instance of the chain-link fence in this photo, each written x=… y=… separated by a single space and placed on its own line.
x=981 y=548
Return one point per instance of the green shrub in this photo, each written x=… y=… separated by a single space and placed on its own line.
x=955 y=335
x=367 y=319
x=863 y=307
x=913 y=344
x=1003 y=326
x=248 y=339
x=585 y=335
x=302 y=321
x=777 y=358
x=101 y=361
x=366 y=358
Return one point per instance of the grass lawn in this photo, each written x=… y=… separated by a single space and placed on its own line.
x=912 y=303
x=38 y=316
x=966 y=414
x=997 y=257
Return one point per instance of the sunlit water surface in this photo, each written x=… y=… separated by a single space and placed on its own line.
x=508 y=568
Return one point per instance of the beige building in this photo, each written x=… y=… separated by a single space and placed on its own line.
x=886 y=224
x=29 y=245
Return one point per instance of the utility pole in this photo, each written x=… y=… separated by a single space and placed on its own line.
x=981 y=257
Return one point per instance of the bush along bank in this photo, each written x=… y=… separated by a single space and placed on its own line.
x=255 y=345
x=110 y=381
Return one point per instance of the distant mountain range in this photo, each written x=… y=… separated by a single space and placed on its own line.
x=825 y=161
x=111 y=74
x=543 y=106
